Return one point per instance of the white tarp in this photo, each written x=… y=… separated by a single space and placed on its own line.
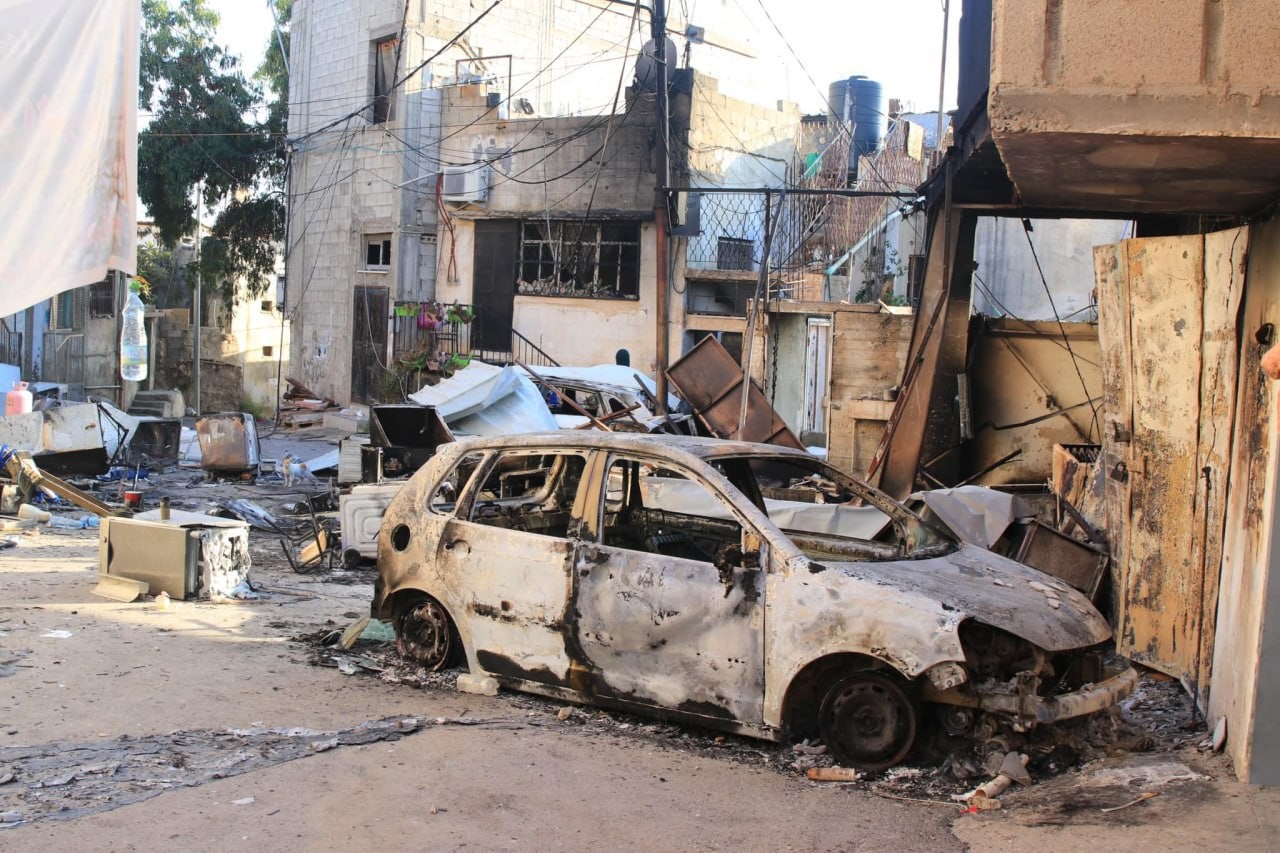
x=975 y=514
x=482 y=399
x=68 y=145
x=690 y=498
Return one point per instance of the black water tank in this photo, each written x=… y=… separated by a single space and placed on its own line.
x=860 y=102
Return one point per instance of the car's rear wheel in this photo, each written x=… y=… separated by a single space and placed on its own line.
x=425 y=632
x=868 y=719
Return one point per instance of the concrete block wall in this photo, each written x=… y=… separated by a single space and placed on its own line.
x=738 y=143
x=345 y=179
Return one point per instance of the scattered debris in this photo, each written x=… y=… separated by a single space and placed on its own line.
x=1141 y=798
x=60 y=781
x=832 y=774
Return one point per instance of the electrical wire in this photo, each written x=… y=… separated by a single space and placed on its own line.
x=1026 y=229
x=401 y=81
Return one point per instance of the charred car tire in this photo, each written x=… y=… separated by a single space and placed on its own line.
x=425 y=633
x=868 y=720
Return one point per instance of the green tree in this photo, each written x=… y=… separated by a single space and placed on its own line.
x=215 y=128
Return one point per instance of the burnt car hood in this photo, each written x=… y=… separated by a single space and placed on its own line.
x=994 y=590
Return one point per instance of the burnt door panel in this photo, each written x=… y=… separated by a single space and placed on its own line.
x=493 y=287
x=663 y=618
x=368 y=341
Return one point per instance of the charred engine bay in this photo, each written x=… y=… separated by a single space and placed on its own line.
x=1158 y=717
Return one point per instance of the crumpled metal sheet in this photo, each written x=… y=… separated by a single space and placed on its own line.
x=482 y=399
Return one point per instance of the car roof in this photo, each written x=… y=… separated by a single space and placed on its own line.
x=705 y=448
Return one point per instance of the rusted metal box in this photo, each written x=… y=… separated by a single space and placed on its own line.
x=711 y=382
x=187 y=556
x=228 y=442
x=402 y=439
x=1070 y=561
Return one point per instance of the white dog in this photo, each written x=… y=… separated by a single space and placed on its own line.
x=294 y=468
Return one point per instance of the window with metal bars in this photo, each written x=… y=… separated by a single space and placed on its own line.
x=592 y=259
x=102 y=298
x=733 y=253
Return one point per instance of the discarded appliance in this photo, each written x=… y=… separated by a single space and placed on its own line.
x=155 y=441
x=66 y=439
x=711 y=382
x=228 y=443
x=402 y=439
x=187 y=556
x=361 y=512
x=350 y=462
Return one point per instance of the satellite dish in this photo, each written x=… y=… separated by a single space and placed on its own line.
x=648 y=72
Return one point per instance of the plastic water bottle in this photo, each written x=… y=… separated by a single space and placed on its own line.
x=133 y=338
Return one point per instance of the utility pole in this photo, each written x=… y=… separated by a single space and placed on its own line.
x=197 y=310
x=663 y=120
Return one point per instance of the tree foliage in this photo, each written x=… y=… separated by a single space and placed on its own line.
x=212 y=127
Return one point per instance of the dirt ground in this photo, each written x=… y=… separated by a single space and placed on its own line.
x=204 y=726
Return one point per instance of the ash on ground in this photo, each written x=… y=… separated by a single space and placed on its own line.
x=1158 y=717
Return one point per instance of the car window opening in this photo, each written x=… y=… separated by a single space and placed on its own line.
x=530 y=492
x=658 y=510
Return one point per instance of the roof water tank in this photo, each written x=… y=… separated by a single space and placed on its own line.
x=869 y=113
x=860 y=103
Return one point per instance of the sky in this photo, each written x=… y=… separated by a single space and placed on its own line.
x=896 y=42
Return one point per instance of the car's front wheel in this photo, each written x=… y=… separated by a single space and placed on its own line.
x=425 y=632
x=868 y=719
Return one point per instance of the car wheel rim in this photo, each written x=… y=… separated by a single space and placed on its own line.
x=425 y=635
x=868 y=721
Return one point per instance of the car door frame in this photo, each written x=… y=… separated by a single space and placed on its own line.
x=593 y=553
x=547 y=662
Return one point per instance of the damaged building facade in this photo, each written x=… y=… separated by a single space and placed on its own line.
x=1169 y=122
x=493 y=172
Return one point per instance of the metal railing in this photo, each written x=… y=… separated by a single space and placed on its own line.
x=410 y=339
x=10 y=345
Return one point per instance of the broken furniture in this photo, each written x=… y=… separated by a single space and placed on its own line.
x=186 y=556
x=307 y=543
x=228 y=443
x=28 y=477
x=401 y=440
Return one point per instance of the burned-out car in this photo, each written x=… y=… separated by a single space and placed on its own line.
x=746 y=587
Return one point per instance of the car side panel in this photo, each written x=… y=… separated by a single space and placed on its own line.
x=813 y=614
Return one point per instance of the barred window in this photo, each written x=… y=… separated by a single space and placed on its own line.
x=102 y=298
x=593 y=259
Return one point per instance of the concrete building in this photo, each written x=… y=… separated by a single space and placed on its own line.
x=492 y=171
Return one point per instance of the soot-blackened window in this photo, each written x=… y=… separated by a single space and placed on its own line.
x=594 y=259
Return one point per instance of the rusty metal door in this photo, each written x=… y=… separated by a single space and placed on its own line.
x=1167 y=315
x=371 y=308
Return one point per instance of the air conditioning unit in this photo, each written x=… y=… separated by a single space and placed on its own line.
x=466 y=183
